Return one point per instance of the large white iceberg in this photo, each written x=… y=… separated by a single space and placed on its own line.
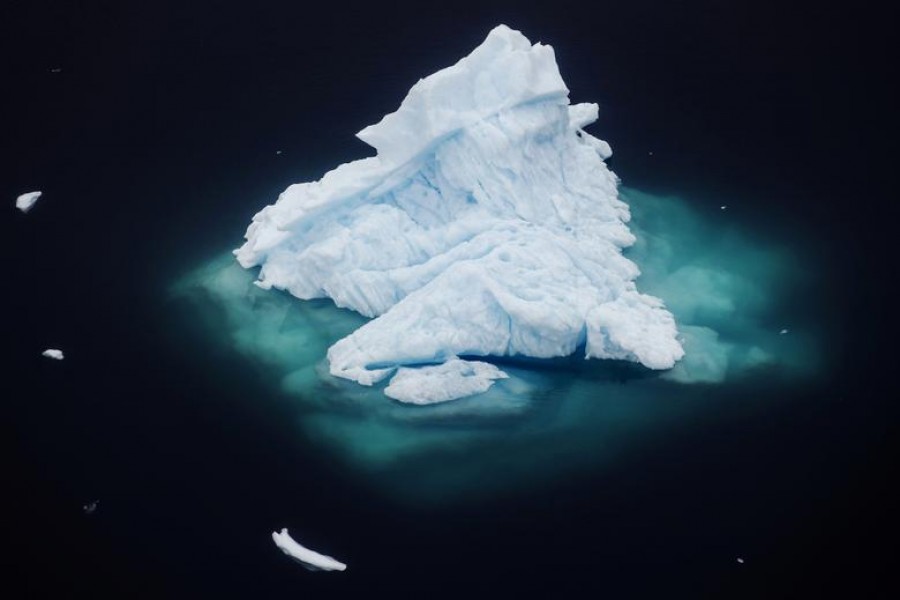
x=488 y=224
x=309 y=558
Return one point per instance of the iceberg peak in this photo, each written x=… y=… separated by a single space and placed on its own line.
x=504 y=71
x=488 y=224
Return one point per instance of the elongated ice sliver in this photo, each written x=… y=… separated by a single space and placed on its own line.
x=308 y=557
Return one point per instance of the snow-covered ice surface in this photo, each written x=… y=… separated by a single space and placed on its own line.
x=488 y=224
x=53 y=353
x=26 y=201
x=309 y=558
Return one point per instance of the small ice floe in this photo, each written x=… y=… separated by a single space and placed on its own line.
x=723 y=207
x=650 y=153
x=740 y=560
x=26 y=201
x=310 y=559
x=784 y=331
x=91 y=507
x=278 y=152
x=453 y=379
x=56 y=70
x=53 y=353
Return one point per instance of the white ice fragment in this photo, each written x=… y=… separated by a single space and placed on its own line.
x=56 y=70
x=740 y=560
x=723 y=207
x=784 y=331
x=26 y=201
x=581 y=115
x=278 y=152
x=53 y=353
x=453 y=379
x=91 y=507
x=310 y=559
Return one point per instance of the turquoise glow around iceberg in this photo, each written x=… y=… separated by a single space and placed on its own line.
x=551 y=417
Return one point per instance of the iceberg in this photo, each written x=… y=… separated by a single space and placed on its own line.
x=487 y=225
x=309 y=558
x=26 y=201
x=53 y=353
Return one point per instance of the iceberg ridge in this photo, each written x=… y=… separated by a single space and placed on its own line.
x=487 y=224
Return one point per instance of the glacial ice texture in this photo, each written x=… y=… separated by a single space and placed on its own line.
x=53 y=353
x=487 y=224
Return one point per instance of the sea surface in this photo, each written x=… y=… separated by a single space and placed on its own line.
x=156 y=132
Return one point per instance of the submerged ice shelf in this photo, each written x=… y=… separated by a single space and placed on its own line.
x=487 y=224
x=728 y=286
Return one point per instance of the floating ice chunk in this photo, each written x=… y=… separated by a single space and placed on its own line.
x=487 y=225
x=740 y=560
x=310 y=559
x=454 y=379
x=784 y=331
x=723 y=207
x=26 y=201
x=91 y=507
x=56 y=70
x=581 y=115
x=53 y=353
x=278 y=152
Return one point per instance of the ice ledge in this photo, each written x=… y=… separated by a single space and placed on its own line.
x=453 y=379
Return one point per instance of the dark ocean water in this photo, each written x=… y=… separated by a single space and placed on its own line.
x=156 y=143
